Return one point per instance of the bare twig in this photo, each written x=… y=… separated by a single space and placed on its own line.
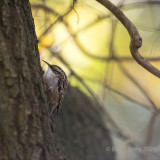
x=126 y=97
x=138 y=86
x=136 y=40
x=60 y=18
x=74 y=2
x=150 y=129
x=45 y=8
x=121 y=94
x=140 y=3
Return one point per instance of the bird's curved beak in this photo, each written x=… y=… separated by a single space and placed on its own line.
x=46 y=63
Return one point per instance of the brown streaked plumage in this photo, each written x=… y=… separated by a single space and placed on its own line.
x=56 y=84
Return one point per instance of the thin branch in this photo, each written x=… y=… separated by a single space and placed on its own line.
x=136 y=40
x=45 y=8
x=140 y=3
x=126 y=97
x=121 y=94
x=150 y=129
x=74 y=2
x=143 y=91
x=59 y=19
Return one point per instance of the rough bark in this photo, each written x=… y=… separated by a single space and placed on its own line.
x=24 y=127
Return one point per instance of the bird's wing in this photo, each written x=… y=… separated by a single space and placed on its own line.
x=62 y=85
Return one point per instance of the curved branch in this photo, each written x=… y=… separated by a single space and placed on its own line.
x=136 y=40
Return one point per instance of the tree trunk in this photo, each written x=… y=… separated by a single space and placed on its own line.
x=25 y=130
x=24 y=125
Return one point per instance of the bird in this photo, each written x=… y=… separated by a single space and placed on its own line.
x=56 y=82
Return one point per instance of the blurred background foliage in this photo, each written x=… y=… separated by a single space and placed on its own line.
x=89 y=43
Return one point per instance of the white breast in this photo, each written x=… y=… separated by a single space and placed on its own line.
x=51 y=79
